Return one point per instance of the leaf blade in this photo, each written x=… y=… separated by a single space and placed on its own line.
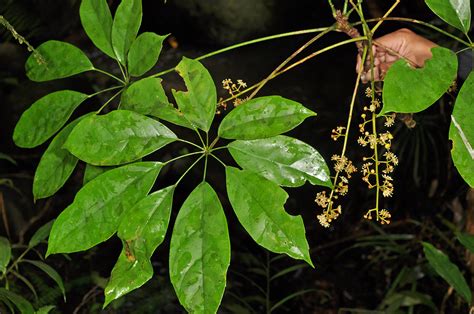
x=457 y=13
x=118 y=137
x=258 y=204
x=59 y=60
x=45 y=117
x=409 y=90
x=200 y=251
x=94 y=215
x=263 y=117
x=55 y=166
x=144 y=53
x=198 y=104
x=51 y=272
x=447 y=270
x=5 y=254
x=125 y=26
x=461 y=131
x=283 y=160
x=97 y=22
x=142 y=230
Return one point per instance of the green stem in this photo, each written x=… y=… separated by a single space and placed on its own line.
x=108 y=101
x=190 y=143
x=217 y=148
x=214 y=142
x=109 y=74
x=291 y=57
x=215 y=157
x=205 y=168
x=409 y=20
x=104 y=90
x=295 y=64
x=15 y=263
x=189 y=169
x=182 y=156
x=250 y=42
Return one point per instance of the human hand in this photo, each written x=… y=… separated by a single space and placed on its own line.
x=387 y=49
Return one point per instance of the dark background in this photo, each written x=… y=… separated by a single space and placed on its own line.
x=352 y=271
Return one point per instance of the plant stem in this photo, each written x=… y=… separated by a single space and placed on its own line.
x=215 y=157
x=103 y=91
x=218 y=148
x=108 y=101
x=295 y=64
x=250 y=42
x=291 y=57
x=394 y=5
x=267 y=276
x=15 y=263
x=182 y=156
x=189 y=169
x=109 y=74
x=409 y=20
x=190 y=143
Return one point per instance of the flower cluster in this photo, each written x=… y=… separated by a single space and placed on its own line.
x=338 y=132
x=234 y=89
x=376 y=170
x=344 y=169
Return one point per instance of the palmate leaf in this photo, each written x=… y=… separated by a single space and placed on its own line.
x=142 y=230
x=118 y=137
x=263 y=117
x=461 y=131
x=409 y=90
x=283 y=160
x=59 y=60
x=144 y=53
x=97 y=22
x=198 y=104
x=200 y=251
x=447 y=270
x=457 y=13
x=258 y=204
x=148 y=97
x=94 y=216
x=45 y=117
x=126 y=24
x=56 y=165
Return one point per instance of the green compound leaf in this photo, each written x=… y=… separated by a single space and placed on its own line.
x=447 y=270
x=457 y=13
x=263 y=117
x=467 y=240
x=53 y=274
x=148 y=97
x=59 y=60
x=199 y=102
x=118 y=137
x=45 y=117
x=144 y=53
x=142 y=230
x=461 y=131
x=283 y=160
x=200 y=251
x=22 y=304
x=5 y=254
x=410 y=90
x=126 y=24
x=97 y=22
x=258 y=204
x=41 y=234
x=56 y=165
x=95 y=214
